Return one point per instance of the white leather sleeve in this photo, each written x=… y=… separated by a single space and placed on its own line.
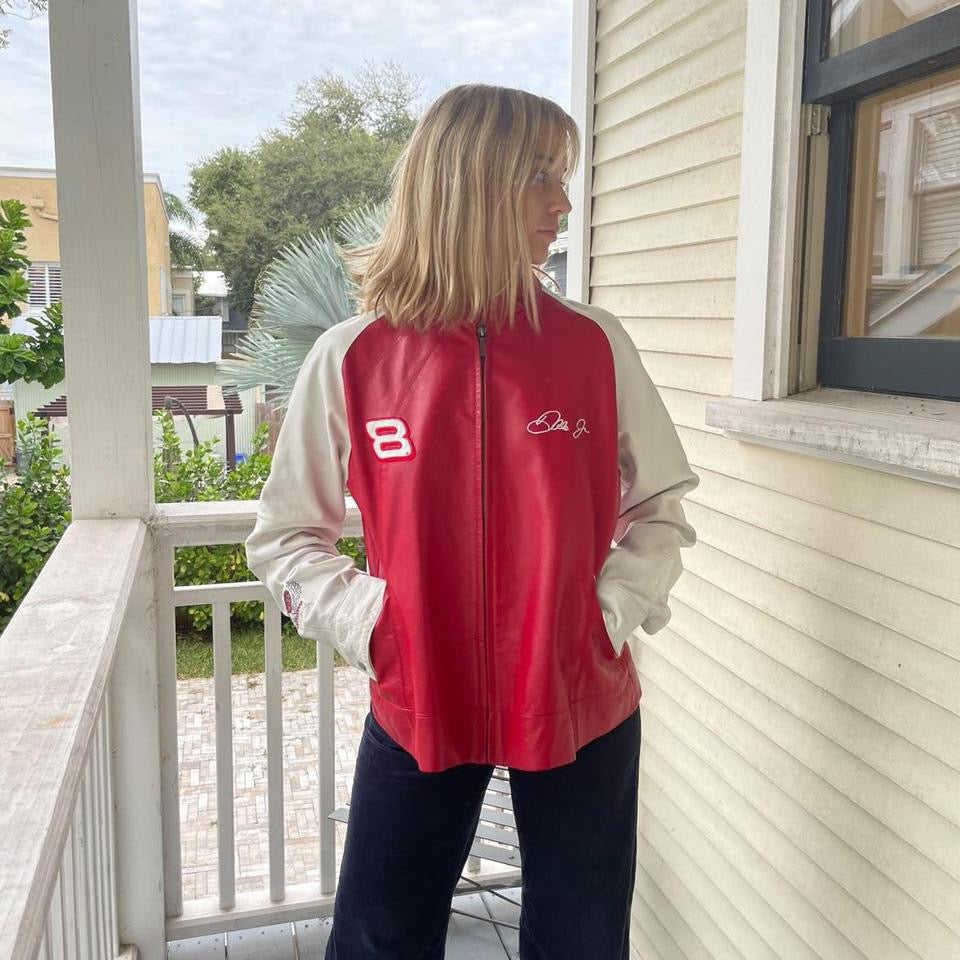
x=644 y=561
x=292 y=548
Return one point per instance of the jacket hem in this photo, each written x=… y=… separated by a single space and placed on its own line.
x=553 y=738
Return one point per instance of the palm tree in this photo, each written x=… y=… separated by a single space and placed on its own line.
x=301 y=293
x=185 y=252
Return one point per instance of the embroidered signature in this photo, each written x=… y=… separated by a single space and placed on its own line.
x=551 y=420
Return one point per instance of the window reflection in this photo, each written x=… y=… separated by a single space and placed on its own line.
x=854 y=22
x=906 y=208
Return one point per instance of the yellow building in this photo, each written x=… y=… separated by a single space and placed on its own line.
x=36 y=187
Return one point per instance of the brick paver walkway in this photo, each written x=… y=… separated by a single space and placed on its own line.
x=198 y=796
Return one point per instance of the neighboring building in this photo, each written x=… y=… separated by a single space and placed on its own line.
x=36 y=187
x=780 y=239
x=183 y=352
x=182 y=302
x=556 y=264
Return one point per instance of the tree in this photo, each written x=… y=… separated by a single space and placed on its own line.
x=304 y=291
x=7 y=8
x=23 y=357
x=334 y=153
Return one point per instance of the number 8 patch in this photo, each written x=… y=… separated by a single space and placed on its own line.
x=391 y=438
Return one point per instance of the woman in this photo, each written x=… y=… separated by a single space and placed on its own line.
x=519 y=481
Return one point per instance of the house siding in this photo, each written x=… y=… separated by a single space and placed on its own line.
x=800 y=786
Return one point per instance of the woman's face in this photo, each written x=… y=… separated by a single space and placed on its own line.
x=545 y=199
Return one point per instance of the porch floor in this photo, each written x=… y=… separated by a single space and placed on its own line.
x=467 y=938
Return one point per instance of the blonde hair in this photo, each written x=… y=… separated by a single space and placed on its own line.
x=454 y=245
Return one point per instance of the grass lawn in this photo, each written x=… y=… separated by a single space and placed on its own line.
x=195 y=652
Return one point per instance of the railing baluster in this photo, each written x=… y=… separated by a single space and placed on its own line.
x=54 y=925
x=325 y=759
x=114 y=939
x=222 y=673
x=82 y=892
x=91 y=895
x=169 y=741
x=273 y=670
x=71 y=943
x=100 y=849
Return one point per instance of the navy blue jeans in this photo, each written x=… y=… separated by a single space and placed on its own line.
x=409 y=835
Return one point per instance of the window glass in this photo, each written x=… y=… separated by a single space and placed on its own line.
x=854 y=22
x=904 y=244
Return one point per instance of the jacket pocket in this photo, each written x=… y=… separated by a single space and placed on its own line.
x=604 y=626
x=375 y=634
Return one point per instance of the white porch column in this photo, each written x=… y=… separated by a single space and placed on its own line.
x=96 y=121
x=96 y=113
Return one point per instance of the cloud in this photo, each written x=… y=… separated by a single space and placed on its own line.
x=219 y=73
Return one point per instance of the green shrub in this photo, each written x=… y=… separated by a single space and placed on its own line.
x=199 y=474
x=34 y=512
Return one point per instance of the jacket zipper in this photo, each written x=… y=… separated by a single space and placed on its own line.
x=482 y=344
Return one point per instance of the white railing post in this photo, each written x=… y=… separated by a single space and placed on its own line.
x=135 y=732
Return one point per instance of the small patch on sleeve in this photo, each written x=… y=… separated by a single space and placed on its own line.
x=292 y=602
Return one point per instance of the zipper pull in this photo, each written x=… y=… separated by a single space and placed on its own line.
x=482 y=338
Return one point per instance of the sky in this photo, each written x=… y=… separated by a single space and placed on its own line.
x=217 y=73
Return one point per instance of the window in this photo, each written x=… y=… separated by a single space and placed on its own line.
x=179 y=304
x=45 y=287
x=888 y=71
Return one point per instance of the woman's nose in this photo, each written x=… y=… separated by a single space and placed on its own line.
x=562 y=202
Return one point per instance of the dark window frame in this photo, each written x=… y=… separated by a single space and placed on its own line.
x=914 y=366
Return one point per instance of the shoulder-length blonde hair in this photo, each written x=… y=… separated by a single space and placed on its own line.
x=454 y=246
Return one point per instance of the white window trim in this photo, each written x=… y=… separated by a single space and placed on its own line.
x=909 y=436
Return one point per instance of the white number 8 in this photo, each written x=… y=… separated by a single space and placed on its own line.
x=391 y=438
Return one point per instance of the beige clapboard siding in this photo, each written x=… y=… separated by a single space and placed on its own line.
x=686 y=919
x=613 y=13
x=712 y=855
x=692 y=870
x=653 y=20
x=658 y=915
x=929 y=620
x=696 y=200
x=872 y=758
x=708 y=65
x=901 y=659
x=693 y=336
x=704 y=298
x=745 y=736
x=697 y=190
x=686 y=408
x=684 y=37
x=705 y=261
x=800 y=786
x=690 y=226
x=918 y=720
x=820 y=887
x=703 y=106
x=897 y=556
x=698 y=147
x=926 y=510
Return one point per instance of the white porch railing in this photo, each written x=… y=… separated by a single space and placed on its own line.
x=57 y=856
x=90 y=850
x=194 y=524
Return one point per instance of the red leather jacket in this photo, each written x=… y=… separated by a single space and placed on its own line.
x=520 y=497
